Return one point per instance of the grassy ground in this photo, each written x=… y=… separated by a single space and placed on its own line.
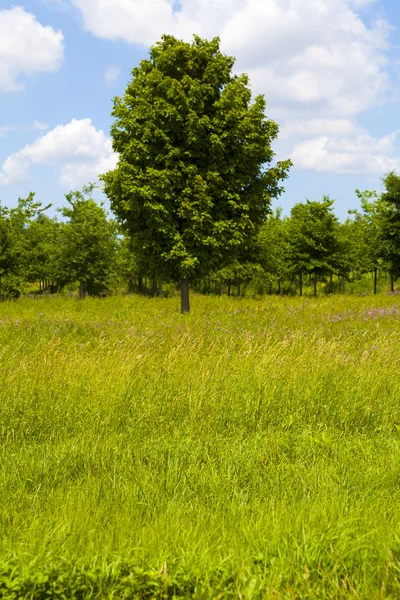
x=250 y=449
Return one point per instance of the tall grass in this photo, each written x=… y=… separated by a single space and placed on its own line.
x=250 y=449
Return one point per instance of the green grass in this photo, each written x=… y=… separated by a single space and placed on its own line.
x=250 y=449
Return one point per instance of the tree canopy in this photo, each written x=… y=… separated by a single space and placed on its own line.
x=194 y=180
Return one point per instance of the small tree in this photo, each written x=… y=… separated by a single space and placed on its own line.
x=88 y=242
x=313 y=243
x=193 y=182
x=41 y=250
x=390 y=223
x=273 y=242
x=374 y=244
x=13 y=225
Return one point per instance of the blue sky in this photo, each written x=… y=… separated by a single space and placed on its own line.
x=329 y=70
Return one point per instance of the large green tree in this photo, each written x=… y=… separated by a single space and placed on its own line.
x=193 y=182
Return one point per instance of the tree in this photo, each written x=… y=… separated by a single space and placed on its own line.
x=13 y=224
x=41 y=249
x=313 y=243
x=390 y=223
x=371 y=220
x=273 y=241
x=192 y=185
x=88 y=242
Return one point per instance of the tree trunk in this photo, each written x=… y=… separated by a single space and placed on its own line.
x=238 y=290
x=375 y=278
x=279 y=286
x=301 y=283
x=315 y=285
x=391 y=282
x=140 y=284
x=130 y=285
x=331 y=282
x=153 y=287
x=291 y=285
x=185 y=306
x=160 y=291
x=229 y=288
x=81 y=290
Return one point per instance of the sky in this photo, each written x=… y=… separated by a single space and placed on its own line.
x=329 y=71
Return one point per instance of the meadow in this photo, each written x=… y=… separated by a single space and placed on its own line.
x=250 y=449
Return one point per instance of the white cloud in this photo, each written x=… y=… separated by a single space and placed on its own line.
x=360 y=153
x=111 y=74
x=26 y=48
x=77 y=150
x=318 y=62
x=316 y=54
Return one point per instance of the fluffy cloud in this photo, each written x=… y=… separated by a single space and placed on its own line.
x=318 y=63
x=312 y=55
x=26 y=47
x=77 y=150
x=359 y=153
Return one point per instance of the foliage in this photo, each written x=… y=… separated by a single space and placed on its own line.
x=88 y=242
x=313 y=244
x=193 y=182
x=13 y=224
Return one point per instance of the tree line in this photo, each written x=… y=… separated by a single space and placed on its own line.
x=91 y=251
x=191 y=195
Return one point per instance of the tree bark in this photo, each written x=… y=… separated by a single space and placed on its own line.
x=160 y=290
x=185 y=306
x=81 y=290
x=331 y=282
x=315 y=285
x=229 y=288
x=238 y=290
x=140 y=284
x=301 y=283
x=391 y=282
x=279 y=286
x=375 y=278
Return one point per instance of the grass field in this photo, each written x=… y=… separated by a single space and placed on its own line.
x=248 y=450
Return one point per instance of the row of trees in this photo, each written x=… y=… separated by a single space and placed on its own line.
x=91 y=251
x=37 y=249
x=192 y=194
